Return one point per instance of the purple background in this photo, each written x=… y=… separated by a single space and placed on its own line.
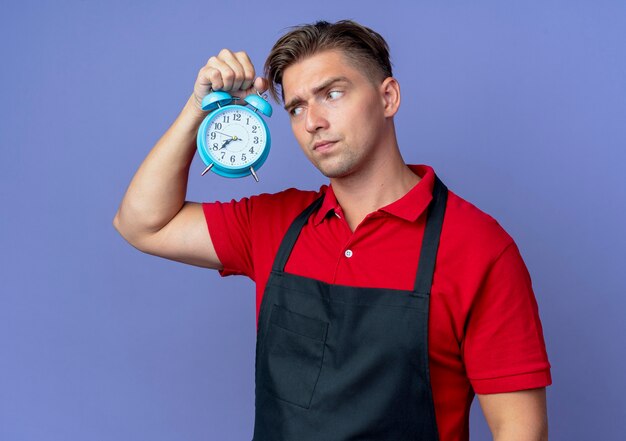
x=520 y=108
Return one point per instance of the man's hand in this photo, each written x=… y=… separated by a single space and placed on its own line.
x=154 y=216
x=231 y=72
x=516 y=416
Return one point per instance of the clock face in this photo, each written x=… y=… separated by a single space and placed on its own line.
x=236 y=137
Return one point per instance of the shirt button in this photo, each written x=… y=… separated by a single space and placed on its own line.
x=348 y=253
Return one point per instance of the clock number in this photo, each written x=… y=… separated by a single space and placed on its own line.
x=247 y=121
x=232 y=158
x=256 y=139
x=226 y=119
x=218 y=126
x=237 y=117
x=215 y=146
x=253 y=129
x=213 y=134
x=251 y=150
x=223 y=153
x=243 y=156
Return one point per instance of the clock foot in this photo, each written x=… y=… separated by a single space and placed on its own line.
x=207 y=169
x=256 y=178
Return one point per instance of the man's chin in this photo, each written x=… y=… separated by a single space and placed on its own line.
x=334 y=172
x=334 y=166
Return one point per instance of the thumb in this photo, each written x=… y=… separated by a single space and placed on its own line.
x=261 y=84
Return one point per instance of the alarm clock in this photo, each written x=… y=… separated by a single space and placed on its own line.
x=234 y=140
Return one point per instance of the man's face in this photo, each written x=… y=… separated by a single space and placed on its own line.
x=336 y=113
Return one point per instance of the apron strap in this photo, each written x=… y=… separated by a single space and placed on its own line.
x=292 y=235
x=430 y=242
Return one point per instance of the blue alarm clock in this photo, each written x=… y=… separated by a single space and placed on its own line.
x=233 y=140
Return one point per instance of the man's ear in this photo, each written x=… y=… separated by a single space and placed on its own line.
x=390 y=94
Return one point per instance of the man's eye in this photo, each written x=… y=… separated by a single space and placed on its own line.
x=296 y=111
x=334 y=94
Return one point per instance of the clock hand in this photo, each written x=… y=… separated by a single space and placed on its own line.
x=228 y=141
x=222 y=133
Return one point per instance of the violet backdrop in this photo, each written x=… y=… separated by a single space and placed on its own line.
x=519 y=106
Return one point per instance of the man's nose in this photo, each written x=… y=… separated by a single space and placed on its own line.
x=315 y=118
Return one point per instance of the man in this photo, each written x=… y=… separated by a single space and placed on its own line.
x=384 y=301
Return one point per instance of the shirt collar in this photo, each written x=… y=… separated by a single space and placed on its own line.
x=409 y=207
x=329 y=204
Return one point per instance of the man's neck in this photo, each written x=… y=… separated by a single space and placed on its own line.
x=368 y=190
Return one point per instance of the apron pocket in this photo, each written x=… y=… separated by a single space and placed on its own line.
x=291 y=360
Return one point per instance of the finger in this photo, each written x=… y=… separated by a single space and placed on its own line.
x=211 y=77
x=203 y=83
x=221 y=74
x=234 y=64
x=248 y=69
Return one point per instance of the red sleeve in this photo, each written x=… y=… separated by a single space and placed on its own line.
x=246 y=233
x=229 y=228
x=504 y=349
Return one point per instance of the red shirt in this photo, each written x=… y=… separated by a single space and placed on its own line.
x=484 y=330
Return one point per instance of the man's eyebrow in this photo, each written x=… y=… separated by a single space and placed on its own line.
x=317 y=89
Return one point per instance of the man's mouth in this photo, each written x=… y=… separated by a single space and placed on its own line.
x=320 y=146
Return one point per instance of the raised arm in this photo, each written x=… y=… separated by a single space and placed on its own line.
x=154 y=216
